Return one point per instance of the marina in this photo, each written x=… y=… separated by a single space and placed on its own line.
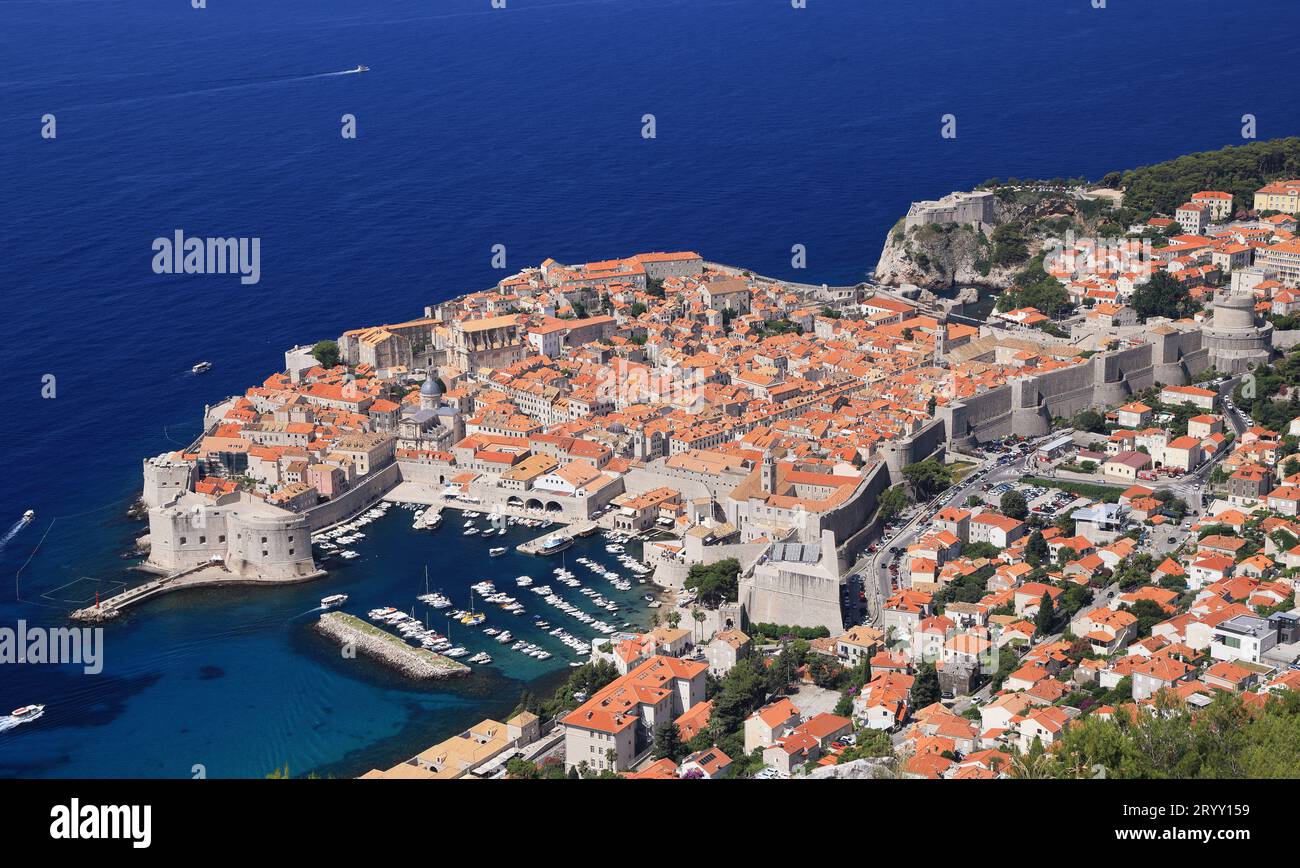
x=461 y=615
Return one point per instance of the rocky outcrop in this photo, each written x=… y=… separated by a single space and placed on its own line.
x=938 y=257
x=863 y=769
x=935 y=257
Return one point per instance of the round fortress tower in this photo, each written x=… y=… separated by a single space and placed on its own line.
x=1236 y=341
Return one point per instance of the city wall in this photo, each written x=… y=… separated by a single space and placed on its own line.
x=354 y=500
x=1026 y=406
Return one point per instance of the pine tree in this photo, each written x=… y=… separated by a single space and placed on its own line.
x=668 y=742
x=1046 y=615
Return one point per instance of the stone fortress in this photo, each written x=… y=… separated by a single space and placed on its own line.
x=976 y=207
x=1236 y=341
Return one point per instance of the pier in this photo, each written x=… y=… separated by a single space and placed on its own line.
x=201 y=576
x=426 y=520
x=580 y=528
x=387 y=648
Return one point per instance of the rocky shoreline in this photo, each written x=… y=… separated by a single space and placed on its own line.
x=387 y=648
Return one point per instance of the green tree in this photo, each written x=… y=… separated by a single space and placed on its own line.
x=715 y=583
x=893 y=501
x=1089 y=420
x=1163 y=296
x=1046 y=616
x=1036 y=549
x=1013 y=504
x=326 y=353
x=928 y=477
x=925 y=689
x=668 y=742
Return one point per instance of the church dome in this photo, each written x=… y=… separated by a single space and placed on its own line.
x=431 y=388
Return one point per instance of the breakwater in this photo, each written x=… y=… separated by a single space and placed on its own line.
x=387 y=648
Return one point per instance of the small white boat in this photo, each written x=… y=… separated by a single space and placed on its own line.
x=361 y=68
x=27 y=711
x=201 y=367
x=333 y=600
x=29 y=515
x=497 y=552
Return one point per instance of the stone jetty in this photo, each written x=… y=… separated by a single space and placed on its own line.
x=388 y=648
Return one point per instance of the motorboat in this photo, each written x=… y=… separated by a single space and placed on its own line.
x=29 y=515
x=497 y=551
x=27 y=712
x=333 y=600
x=202 y=367
x=361 y=68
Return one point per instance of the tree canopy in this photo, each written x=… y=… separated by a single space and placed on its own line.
x=1164 y=296
x=326 y=352
x=715 y=583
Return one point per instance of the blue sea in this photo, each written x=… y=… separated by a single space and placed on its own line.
x=475 y=127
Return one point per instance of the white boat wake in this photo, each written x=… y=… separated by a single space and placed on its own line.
x=243 y=85
x=13 y=531
x=8 y=722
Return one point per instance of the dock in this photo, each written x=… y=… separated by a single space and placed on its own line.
x=387 y=648
x=426 y=519
x=201 y=576
x=577 y=529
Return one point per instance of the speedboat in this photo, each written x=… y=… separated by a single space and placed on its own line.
x=361 y=68
x=202 y=367
x=333 y=600
x=27 y=711
x=29 y=515
x=469 y=531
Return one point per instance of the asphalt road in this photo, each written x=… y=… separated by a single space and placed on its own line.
x=874 y=568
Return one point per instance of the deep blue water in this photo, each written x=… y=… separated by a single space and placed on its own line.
x=476 y=127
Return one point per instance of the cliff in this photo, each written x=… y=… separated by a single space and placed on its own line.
x=940 y=256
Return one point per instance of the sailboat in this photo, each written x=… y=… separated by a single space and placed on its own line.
x=472 y=618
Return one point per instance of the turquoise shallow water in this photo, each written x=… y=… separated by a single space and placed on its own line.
x=236 y=680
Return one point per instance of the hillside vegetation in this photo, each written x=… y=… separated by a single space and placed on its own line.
x=1237 y=170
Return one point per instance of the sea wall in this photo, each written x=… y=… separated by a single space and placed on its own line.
x=354 y=500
